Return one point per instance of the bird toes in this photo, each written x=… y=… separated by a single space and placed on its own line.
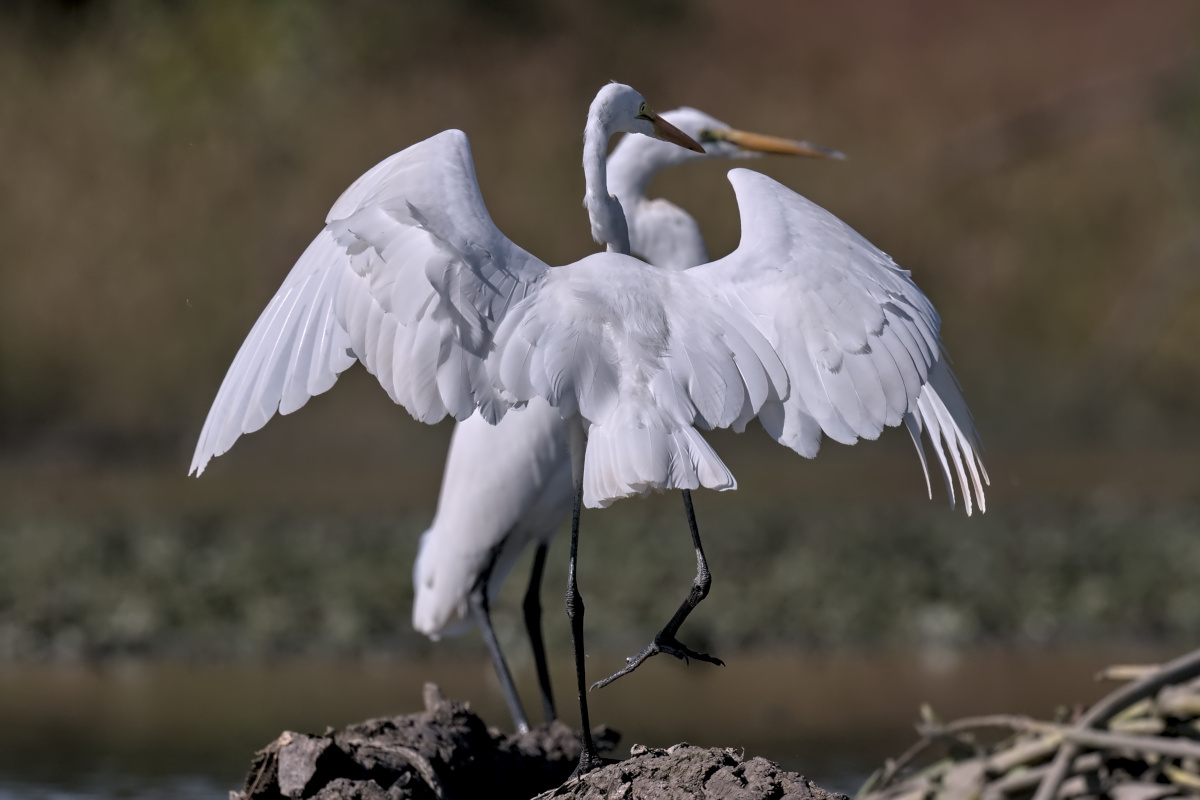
x=661 y=644
x=684 y=653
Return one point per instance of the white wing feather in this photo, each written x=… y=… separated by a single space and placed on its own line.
x=858 y=339
x=295 y=350
x=410 y=276
x=806 y=325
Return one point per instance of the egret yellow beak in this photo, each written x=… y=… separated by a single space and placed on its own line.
x=758 y=143
x=669 y=133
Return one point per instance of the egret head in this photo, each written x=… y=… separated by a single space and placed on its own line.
x=621 y=108
x=722 y=141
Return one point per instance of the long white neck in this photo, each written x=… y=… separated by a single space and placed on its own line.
x=604 y=210
x=660 y=232
x=634 y=163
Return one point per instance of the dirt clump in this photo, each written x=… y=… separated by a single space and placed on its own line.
x=446 y=752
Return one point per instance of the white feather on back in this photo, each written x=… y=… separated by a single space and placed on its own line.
x=645 y=356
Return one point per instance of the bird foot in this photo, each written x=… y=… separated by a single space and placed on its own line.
x=661 y=644
x=589 y=760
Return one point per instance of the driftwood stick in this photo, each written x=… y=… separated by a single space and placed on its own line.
x=1016 y=722
x=1176 y=748
x=893 y=767
x=931 y=733
x=1162 y=745
x=1126 y=672
x=1144 y=734
x=1183 y=668
x=1033 y=750
x=1026 y=779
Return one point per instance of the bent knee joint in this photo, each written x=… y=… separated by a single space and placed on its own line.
x=574 y=603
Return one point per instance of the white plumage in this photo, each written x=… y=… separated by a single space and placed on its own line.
x=805 y=325
x=479 y=509
x=505 y=486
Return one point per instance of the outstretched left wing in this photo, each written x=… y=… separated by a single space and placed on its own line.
x=410 y=276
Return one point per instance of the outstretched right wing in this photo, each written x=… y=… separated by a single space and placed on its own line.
x=410 y=276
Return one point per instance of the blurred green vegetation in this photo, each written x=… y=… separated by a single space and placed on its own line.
x=1036 y=166
x=333 y=585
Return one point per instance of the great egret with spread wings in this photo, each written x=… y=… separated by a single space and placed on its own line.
x=508 y=485
x=805 y=325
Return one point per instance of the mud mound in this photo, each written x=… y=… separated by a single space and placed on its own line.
x=446 y=752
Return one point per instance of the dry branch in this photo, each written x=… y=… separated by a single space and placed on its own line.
x=1141 y=742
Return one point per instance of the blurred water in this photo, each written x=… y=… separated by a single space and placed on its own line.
x=116 y=786
x=185 y=730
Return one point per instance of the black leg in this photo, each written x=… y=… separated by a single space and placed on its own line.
x=479 y=608
x=664 y=640
x=589 y=759
x=533 y=624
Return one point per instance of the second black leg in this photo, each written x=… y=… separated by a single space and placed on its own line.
x=533 y=625
x=483 y=618
x=665 y=641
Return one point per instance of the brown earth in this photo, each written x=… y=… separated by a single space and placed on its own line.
x=447 y=752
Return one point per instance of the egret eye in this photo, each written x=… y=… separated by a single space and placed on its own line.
x=643 y=111
x=708 y=135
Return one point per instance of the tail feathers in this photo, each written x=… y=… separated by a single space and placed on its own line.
x=625 y=461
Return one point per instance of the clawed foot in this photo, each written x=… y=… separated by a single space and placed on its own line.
x=661 y=644
x=589 y=760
